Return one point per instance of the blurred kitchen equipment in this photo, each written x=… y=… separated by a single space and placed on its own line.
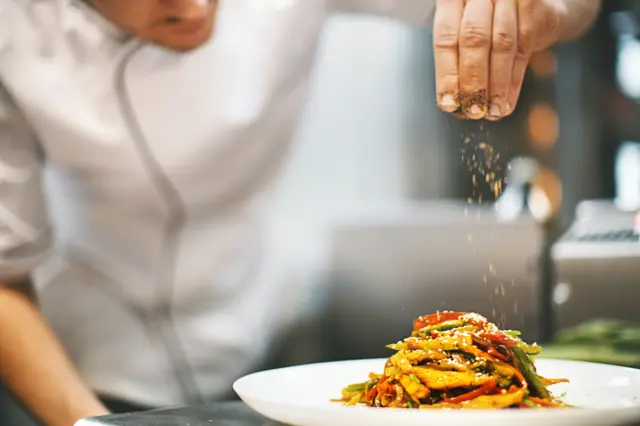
x=597 y=262
x=391 y=266
x=597 y=266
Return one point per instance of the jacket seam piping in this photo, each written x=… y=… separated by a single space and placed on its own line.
x=183 y=371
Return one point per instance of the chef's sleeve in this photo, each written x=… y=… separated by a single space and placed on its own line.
x=414 y=12
x=25 y=234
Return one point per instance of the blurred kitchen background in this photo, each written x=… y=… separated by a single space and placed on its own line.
x=381 y=220
x=373 y=214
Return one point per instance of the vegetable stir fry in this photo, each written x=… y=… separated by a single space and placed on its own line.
x=457 y=360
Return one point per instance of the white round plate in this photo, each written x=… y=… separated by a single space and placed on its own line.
x=300 y=396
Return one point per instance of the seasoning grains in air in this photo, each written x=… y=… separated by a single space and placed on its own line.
x=484 y=163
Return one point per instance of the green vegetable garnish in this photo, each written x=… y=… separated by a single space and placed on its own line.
x=358 y=387
x=536 y=386
x=444 y=326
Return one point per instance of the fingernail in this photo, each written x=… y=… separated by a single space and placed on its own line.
x=475 y=110
x=448 y=101
x=495 y=111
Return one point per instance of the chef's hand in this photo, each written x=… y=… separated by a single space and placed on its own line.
x=482 y=48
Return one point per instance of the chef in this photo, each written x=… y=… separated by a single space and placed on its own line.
x=139 y=143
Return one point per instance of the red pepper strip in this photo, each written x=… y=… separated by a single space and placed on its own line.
x=544 y=402
x=473 y=350
x=381 y=387
x=440 y=317
x=493 y=351
x=435 y=319
x=372 y=393
x=497 y=337
x=523 y=405
x=482 y=390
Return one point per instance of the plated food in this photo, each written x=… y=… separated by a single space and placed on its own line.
x=457 y=360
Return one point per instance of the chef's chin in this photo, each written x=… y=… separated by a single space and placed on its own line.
x=185 y=36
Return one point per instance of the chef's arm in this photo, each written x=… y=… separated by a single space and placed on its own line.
x=35 y=368
x=413 y=12
x=32 y=362
x=578 y=15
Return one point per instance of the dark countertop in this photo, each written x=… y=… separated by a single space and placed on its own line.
x=220 y=414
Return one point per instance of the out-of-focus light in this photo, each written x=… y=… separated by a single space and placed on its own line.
x=627 y=66
x=539 y=204
x=627 y=173
x=543 y=126
x=562 y=293
x=545 y=197
x=544 y=63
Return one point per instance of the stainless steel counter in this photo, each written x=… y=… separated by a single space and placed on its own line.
x=217 y=414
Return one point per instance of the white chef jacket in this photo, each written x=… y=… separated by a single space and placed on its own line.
x=134 y=183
